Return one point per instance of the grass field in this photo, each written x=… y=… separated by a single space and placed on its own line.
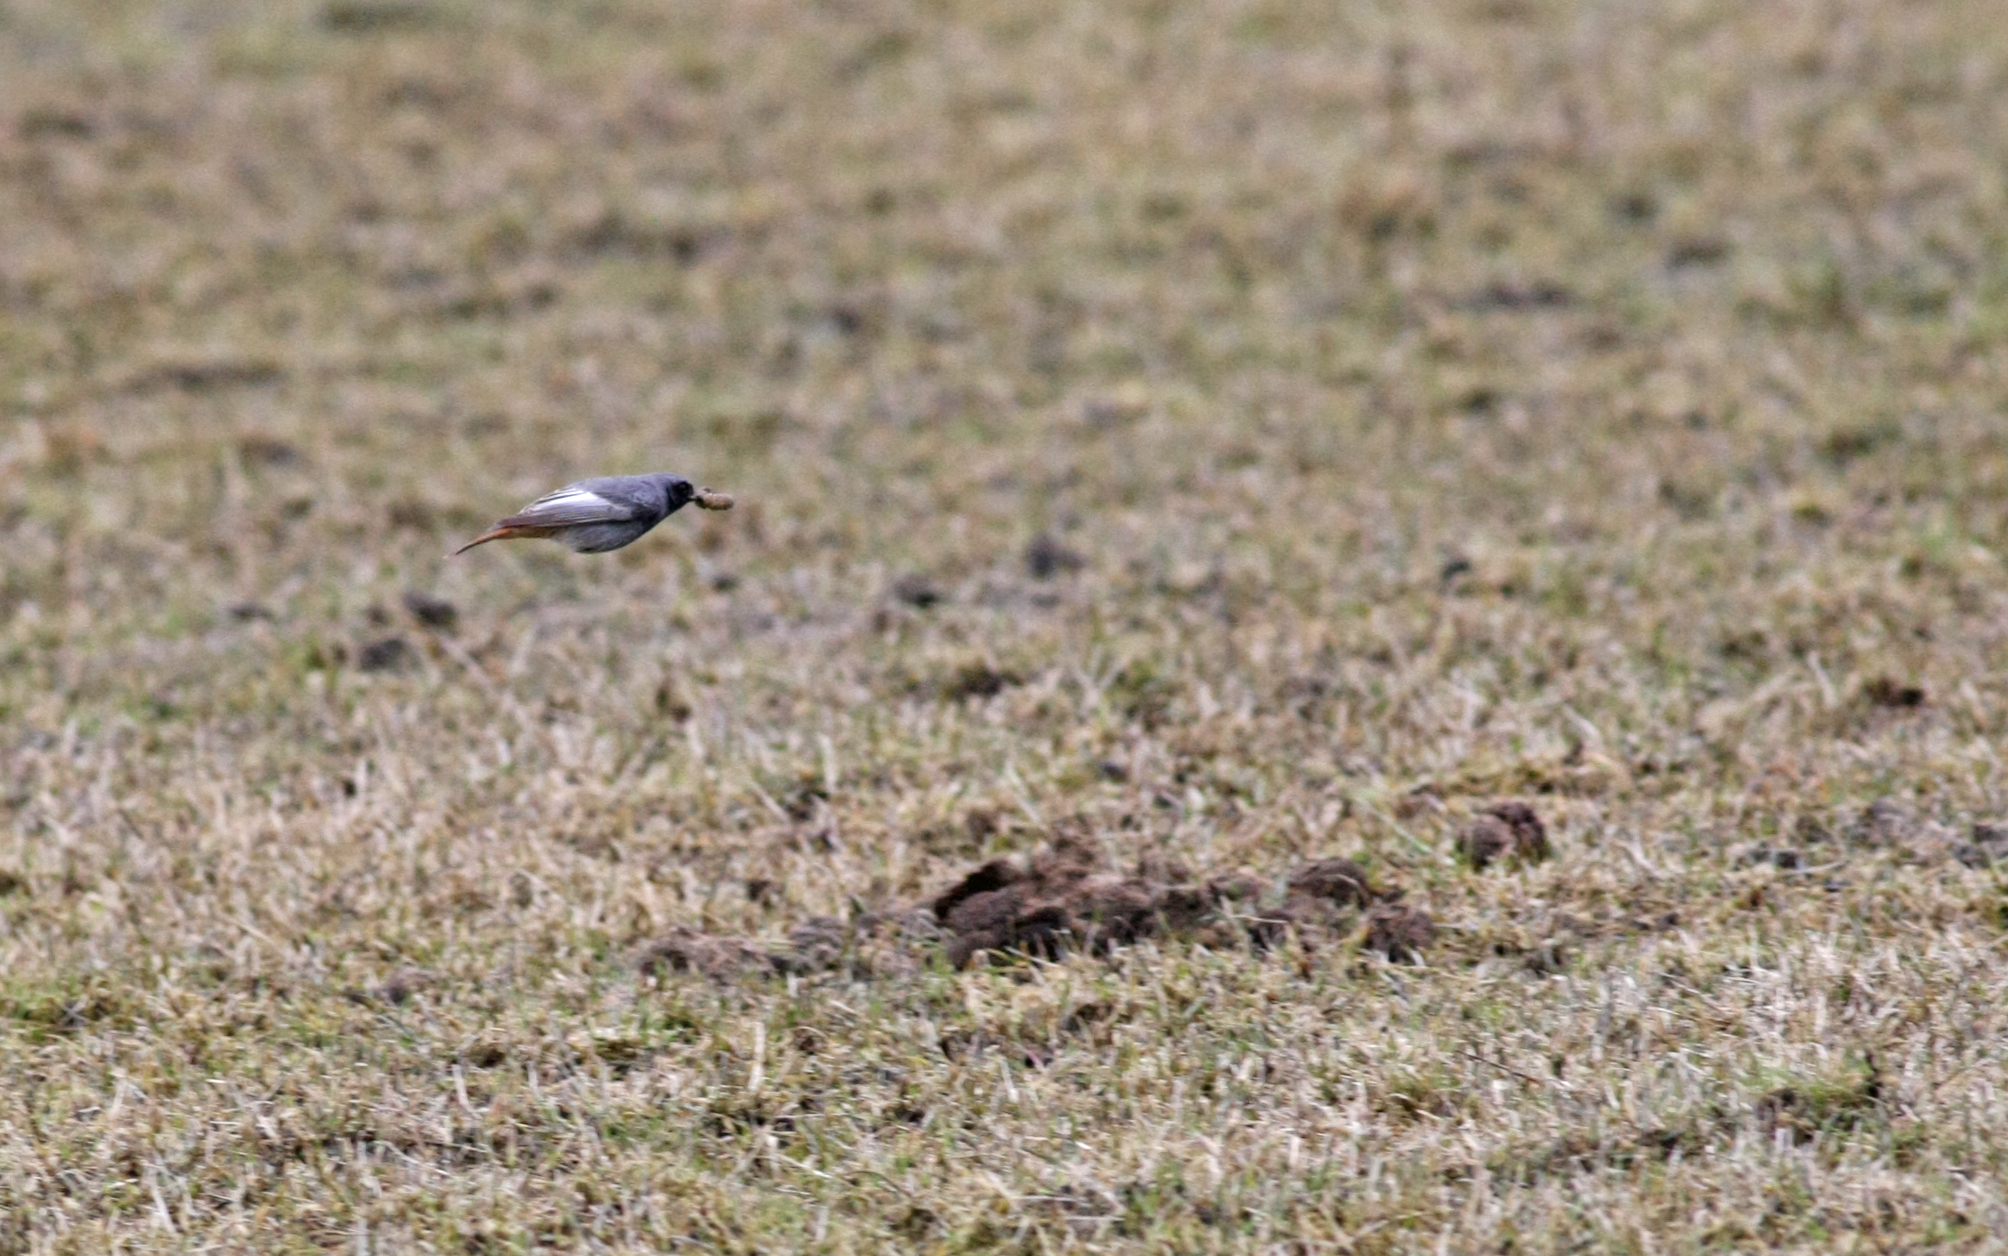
x=1176 y=443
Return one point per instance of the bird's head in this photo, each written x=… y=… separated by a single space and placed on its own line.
x=677 y=492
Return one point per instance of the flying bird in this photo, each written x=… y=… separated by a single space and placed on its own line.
x=597 y=515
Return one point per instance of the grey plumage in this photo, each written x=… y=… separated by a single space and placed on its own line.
x=604 y=513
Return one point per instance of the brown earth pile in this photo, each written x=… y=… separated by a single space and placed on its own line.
x=1064 y=900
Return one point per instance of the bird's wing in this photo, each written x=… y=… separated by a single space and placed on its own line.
x=573 y=504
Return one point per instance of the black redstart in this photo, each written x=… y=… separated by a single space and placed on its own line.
x=597 y=515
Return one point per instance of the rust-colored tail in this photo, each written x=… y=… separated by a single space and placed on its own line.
x=503 y=532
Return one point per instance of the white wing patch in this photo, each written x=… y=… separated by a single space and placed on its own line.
x=568 y=506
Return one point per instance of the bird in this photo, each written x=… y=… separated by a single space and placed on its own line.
x=604 y=513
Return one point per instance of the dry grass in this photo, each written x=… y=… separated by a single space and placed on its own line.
x=1237 y=432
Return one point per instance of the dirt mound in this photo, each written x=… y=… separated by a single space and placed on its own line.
x=1064 y=900
x=1504 y=830
x=1400 y=933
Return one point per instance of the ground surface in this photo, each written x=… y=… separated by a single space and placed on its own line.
x=1214 y=436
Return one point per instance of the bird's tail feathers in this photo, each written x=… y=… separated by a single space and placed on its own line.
x=503 y=532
